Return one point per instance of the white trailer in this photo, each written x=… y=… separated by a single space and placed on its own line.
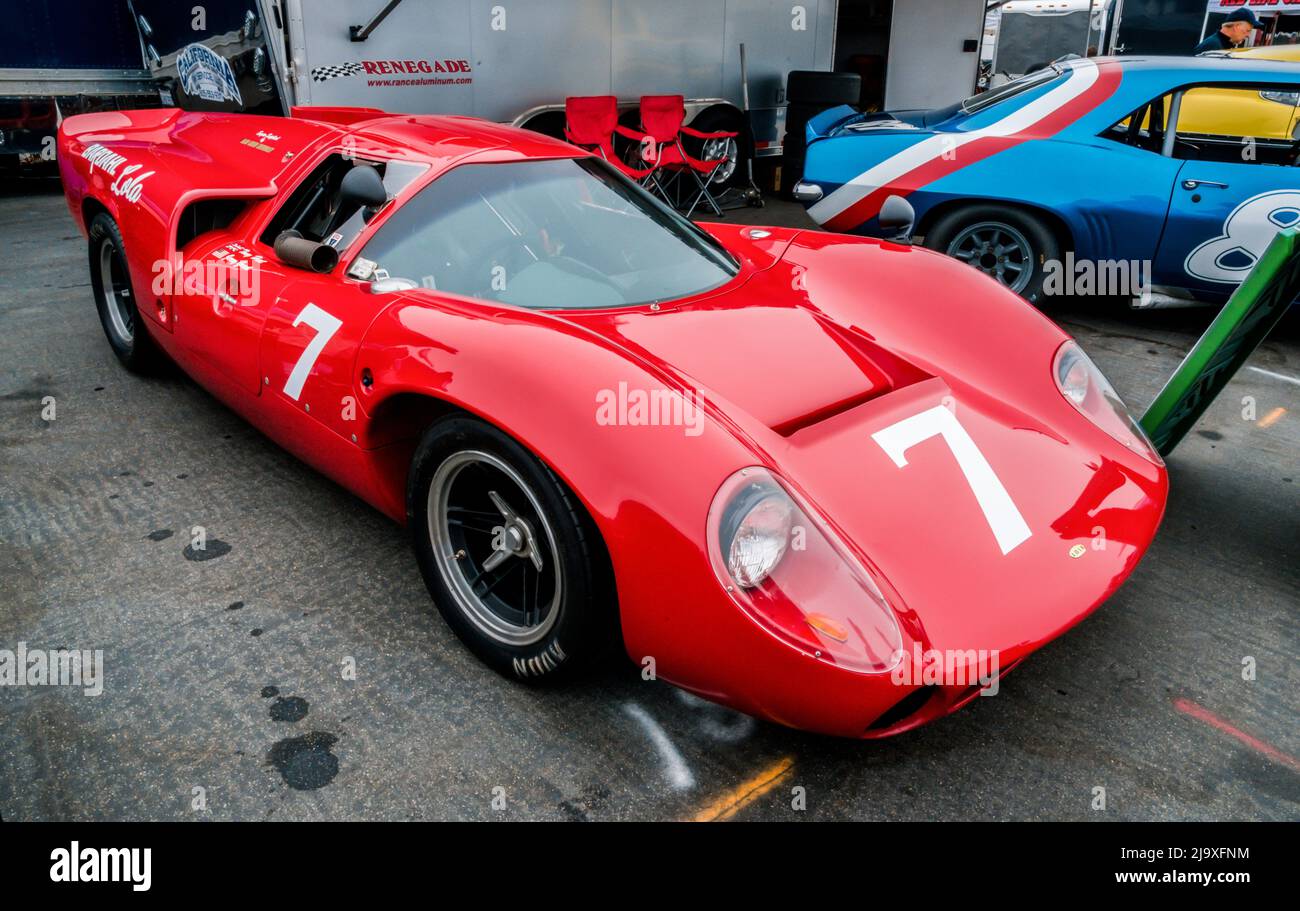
x=515 y=61
x=1032 y=33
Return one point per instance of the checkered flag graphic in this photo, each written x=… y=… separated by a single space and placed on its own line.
x=326 y=73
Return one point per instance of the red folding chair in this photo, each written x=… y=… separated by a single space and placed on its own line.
x=662 y=118
x=591 y=122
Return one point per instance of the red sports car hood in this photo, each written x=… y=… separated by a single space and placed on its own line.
x=807 y=358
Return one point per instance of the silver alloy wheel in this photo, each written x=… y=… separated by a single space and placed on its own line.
x=716 y=148
x=117 y=293
x=486 y=525
x=996 y=249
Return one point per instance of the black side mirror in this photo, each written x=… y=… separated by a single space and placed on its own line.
x=897 y=219
x=363 y=187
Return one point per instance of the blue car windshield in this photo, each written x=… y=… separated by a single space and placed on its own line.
x=1011 y=89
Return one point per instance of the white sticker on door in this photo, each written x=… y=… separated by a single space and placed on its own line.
x=1248 y=230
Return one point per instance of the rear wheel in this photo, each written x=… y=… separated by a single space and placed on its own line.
x=116 y=299
x=1010 y=246
x=513 y=562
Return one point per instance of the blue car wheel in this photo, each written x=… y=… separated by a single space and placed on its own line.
x=1009 y=246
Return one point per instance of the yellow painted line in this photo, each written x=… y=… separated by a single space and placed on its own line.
x=1272 y=417
x=741 y=796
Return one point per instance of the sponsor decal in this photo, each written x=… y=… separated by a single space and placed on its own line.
x=262 y=142
x=233 y=274
x=128 y=182
x=1246 y=233
x=1086 y=87
x=399 y=72
x=206 y=74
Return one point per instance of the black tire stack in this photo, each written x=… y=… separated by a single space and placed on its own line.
x=810 y=92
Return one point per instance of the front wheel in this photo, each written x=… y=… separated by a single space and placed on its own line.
x=513 y=562
x=1010 y=246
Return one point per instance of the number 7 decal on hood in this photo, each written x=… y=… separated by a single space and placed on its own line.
x=999 y=510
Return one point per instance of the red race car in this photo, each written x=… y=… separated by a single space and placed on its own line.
x=834 y=482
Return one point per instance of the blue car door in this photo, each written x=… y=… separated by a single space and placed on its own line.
x=1221 y=218
x=1232 y=195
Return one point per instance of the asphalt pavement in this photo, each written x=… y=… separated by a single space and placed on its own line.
x=227 y=692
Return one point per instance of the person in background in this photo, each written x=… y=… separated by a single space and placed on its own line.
x=1232 y=33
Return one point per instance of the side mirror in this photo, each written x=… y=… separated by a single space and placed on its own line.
x=897 y=219
x=293 y=249
x=389 y=285
x=364 y=187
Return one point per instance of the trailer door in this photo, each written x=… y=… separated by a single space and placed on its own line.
x=933 y=53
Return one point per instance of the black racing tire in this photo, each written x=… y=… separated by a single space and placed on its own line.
x=826 y=89
x=964 y=232
x=457 y=467
x=116 y=300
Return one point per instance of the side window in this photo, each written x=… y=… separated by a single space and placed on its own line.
x=1144 y=128
x=316 y=208
x=1229 y=124
x=1238 y=125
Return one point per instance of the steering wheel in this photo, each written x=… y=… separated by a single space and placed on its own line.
x=577 y=267
x=507 y=252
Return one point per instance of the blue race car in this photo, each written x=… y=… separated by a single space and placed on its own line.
x=1073 y=171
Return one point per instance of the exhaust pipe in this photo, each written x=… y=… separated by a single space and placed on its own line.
x=293 y=249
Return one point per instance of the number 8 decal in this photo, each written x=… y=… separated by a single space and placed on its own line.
x=1004 y=519
x=325 y=325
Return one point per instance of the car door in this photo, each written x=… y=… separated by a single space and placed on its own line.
x=223 y=288
x=314 y=322
x=309 y=347
x=1232 y=196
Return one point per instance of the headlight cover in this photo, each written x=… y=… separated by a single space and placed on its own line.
x=1290 y=99
x=1088 y=390
x=792 y=574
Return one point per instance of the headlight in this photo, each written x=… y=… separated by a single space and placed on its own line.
x=1290 y=99
x=758 y=525
x=791 y=573
x=1088 y=390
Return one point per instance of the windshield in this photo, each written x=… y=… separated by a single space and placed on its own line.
x=562 y=234
x=1011 y=89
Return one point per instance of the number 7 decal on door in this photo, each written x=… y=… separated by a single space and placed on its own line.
x=325 y=325
x=1004 y=519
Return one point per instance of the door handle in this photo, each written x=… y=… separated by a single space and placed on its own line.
x=1193 y=184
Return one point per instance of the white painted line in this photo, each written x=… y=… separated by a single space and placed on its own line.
x=1277 y=376
x=679 y=775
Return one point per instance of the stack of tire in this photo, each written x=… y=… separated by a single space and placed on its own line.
x=810 y=92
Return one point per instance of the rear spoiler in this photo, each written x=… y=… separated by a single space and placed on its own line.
x=820 y=127
x=336 y=115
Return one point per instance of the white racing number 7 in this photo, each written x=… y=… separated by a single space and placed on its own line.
x=1004 y=519
x=325 y=325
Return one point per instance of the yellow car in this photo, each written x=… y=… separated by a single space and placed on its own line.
x=1244 y=112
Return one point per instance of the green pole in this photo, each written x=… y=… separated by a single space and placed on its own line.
x=1245 y=321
